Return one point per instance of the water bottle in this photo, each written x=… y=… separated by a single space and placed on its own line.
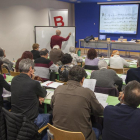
x=79 y=52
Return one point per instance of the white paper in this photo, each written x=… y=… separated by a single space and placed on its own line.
x=132 y=63
x=50 y=93
x=52 y=85
x=88 y=73
x=102 y=98
x=89 y=83
x=123 y=77
x=6 y=93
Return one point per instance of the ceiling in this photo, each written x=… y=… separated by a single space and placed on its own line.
x=84 y=1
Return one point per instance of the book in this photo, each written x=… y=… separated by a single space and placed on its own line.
x=51 y=84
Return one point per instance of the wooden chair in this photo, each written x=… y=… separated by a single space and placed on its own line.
x=118 y=71
x=4 y=70
x=124 y=40
x=58 y=134
x=12 y=73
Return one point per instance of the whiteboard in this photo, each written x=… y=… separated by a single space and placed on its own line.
x=43 y=36
x=119 y=19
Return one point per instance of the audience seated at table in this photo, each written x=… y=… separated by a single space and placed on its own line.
x=26 y=54
x=91 y=57
x=106 y=77
x=6 y=63
x=43 y=66
x=3 y=84
x=76 y=59
x=116 y=61
x=66 y=66
x=56 y=54
x=133 y=73
x=35 y=51
x=121 y=122
x=27 y=93
x=73 y=104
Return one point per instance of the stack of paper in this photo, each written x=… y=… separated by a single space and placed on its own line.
x=89 y=83
x=50 y=93
x=51 y=84
x=102 y=98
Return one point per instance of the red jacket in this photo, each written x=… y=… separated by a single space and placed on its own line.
x=57 y=40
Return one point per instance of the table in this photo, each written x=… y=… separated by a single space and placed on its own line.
x=9 y=78
x=111 y=45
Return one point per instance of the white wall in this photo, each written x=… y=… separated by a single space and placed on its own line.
x=17 y=21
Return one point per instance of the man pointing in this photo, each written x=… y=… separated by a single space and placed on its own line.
x=57 y=39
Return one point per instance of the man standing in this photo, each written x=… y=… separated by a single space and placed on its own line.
x=57 y=39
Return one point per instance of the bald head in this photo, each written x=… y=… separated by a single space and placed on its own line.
x=58 y=32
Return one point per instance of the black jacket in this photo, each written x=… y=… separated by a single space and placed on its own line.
x=3 y=84
x=24 y=97
x=17 y=127
x=36 y=54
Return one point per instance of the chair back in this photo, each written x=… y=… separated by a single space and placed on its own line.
x=109 y=91
x=118 y=71
x=12 y=73
x=58 y=134
x=89 y=67
x=4 y=70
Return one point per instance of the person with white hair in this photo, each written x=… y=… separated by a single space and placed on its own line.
x=56 y=54
x=57 y=39
x=106 y=77
x=76 y=59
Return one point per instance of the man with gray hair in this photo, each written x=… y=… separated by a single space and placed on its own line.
x=56 y=54
x=57 y=39
x=43 y=65
x=76 y=59
x=26 y=94
x=133 y=73
x=106 y=77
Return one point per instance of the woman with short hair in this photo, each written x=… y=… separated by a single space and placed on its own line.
x=91 y=57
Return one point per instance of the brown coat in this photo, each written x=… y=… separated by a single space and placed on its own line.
x=72 y=106
x=56 y=55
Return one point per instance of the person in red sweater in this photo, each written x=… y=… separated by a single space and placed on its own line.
x=57 y=39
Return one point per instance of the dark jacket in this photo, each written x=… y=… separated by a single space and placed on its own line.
x=121 y=122
x=3 y=84
x=133 y=74
x=56 y=55
x=36 y=54
x=72 y=106
x=17 y=127
x=24 y=97
x=106 y=78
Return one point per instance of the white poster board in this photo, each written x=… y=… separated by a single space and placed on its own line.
x=43 y=36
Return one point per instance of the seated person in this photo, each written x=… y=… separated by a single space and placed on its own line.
x=106 y=77
x=56 y=54
x=76 y=59
x=66 y=66
x=133 y=73
x=26 y=94
x=73 y=104
x=3 y=84
x=26 y=54
x=121 y=122
x=35 y=51
x=91 y=57
x=6 y=63
x=116 y=61
x=43 y=65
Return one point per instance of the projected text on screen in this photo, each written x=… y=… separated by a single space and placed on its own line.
x=119 y=18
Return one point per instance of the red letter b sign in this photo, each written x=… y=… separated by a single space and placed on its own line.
x=57 y=20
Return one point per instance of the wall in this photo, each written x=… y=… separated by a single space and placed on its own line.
x=86 y=14
x=17 y=21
